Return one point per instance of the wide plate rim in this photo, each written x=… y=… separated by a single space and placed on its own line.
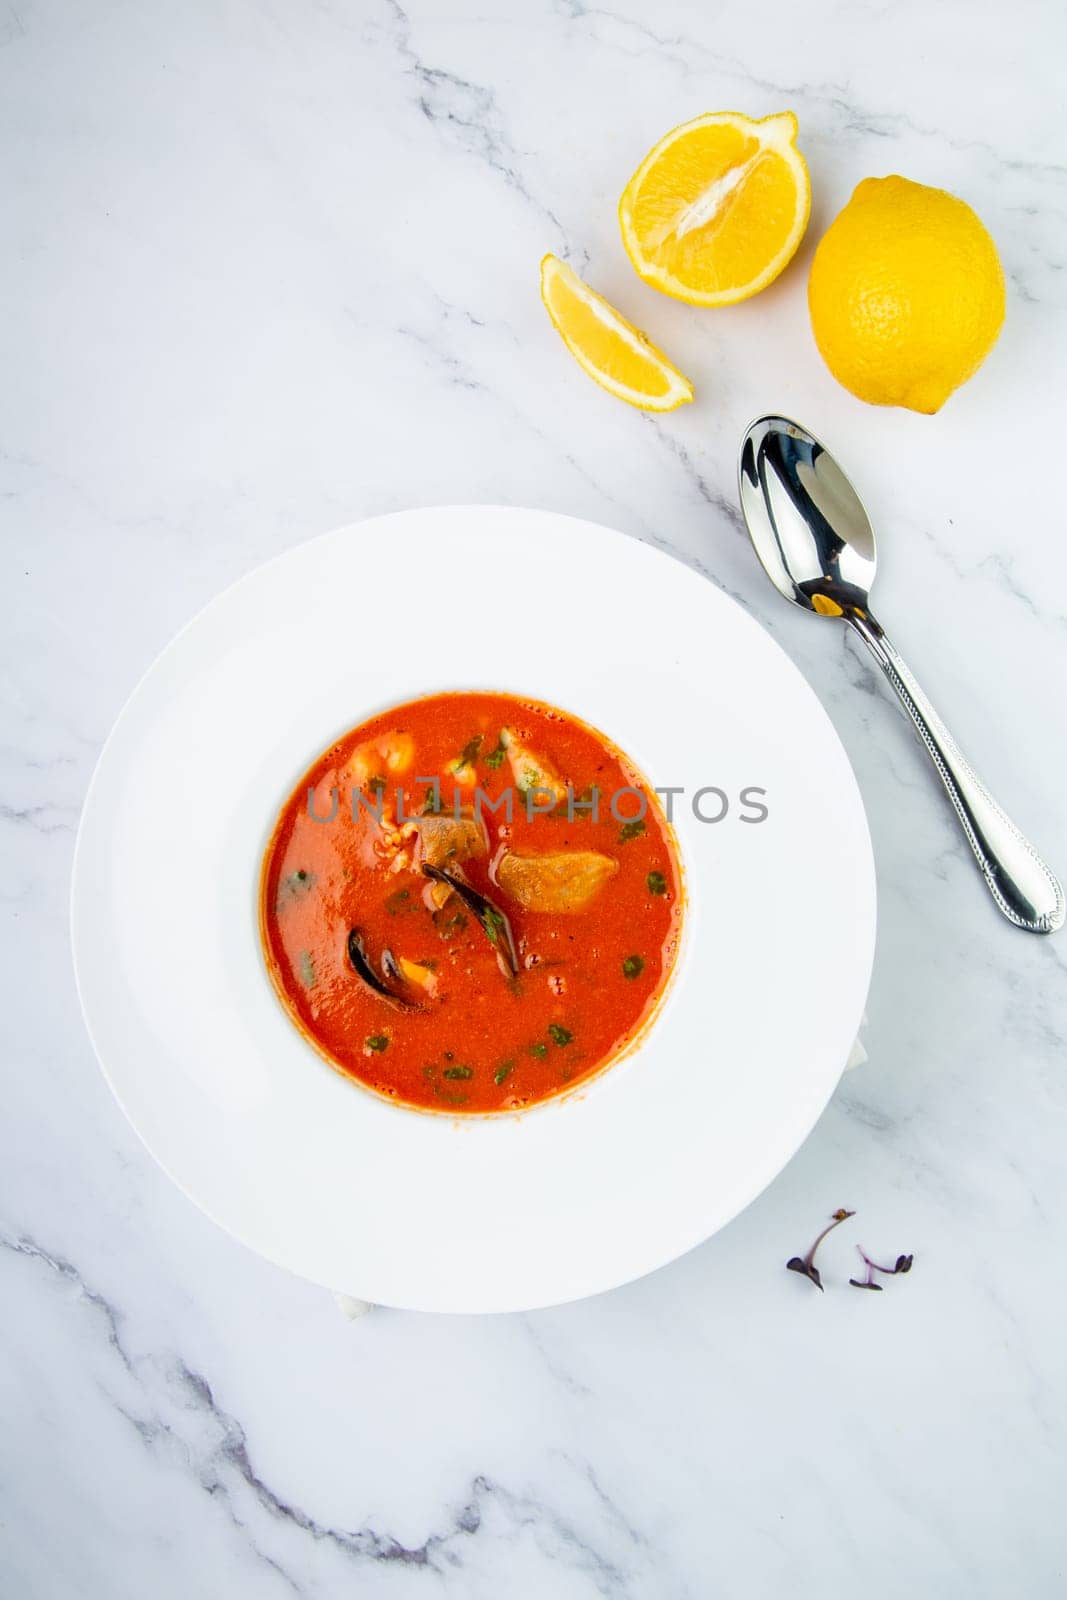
x=761 y=1174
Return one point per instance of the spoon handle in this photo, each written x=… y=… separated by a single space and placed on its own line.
x=1024 y=888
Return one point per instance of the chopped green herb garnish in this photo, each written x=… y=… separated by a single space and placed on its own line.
x=447 y=926
x=307 y=969
x=469 y=754
x=377 y=1042
x=538 y=1049
x=457 y=1099
x=431 y=806
x=379 y=785
x=494 y=923
x=295 y=885
x=503 y=1072
x=583 y=807
x=496 y=757
x=459 y=1072
x=560 y=1035
x=632 y=829
x=398 y=901
x=657 y=883
x=633 y=966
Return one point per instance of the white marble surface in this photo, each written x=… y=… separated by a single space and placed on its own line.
x=270 y=267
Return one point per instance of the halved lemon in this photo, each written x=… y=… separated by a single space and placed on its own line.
x=718 y=208
x=613 y=352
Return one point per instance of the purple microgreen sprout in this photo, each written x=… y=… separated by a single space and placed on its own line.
x=903 y=1264
x=806 y=1264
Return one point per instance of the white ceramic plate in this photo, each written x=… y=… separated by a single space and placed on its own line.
x=482 y=1214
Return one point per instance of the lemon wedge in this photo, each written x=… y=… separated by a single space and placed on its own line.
x=615 y=354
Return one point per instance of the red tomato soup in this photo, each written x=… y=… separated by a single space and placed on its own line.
x=447 y=921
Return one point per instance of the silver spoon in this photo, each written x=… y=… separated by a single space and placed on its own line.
x=816 y=544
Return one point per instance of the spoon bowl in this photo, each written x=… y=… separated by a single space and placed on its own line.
x=806 y=521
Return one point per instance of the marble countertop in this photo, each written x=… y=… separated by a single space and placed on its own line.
x=272 y=267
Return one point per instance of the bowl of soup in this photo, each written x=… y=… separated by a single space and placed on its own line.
x=452 y=903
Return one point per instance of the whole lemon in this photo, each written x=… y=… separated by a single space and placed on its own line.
x=906 y=294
